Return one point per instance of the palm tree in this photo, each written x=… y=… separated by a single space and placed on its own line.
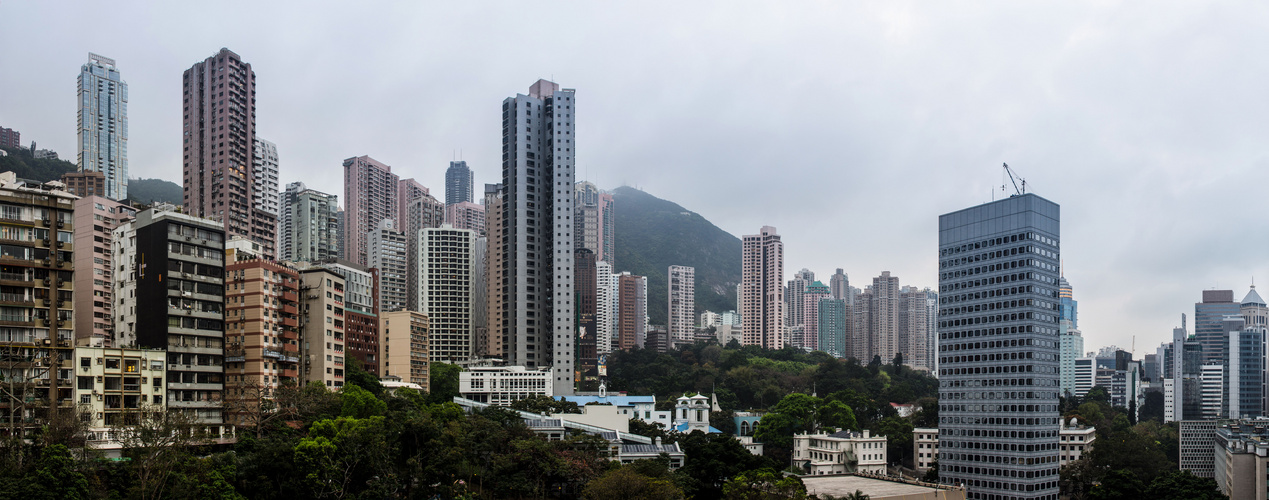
x=857 y=495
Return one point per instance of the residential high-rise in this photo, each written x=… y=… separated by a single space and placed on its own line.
x=607 y=228
x=793 y=297
x=762 y=293
x=606 y=308
x=422 y=211
x=839 y=284
x=404 y=346
x=812 y=295
x=262 y=334
x=537 y=212
x=361 y=312
x=1208 y=317
x=681 y=319
x=309 y=225
x=466 y=215
x=1255 y=314
x=10 y=138
x=219 y=142
x=998 y=339
x=322 y=327
x=585 y=283
x=1245 y=369
x=386 y=249
x=459 y=183
x=39 y=287
x=176 y=259
x=95 y=221
x=447 y=284
x=103 y=124
x=84 y=184
x=1072 y=343
x=632 y=311
x=407 y=191
x=860 y=335
x=370 y=196
x=496 y=319
x=832 y=327
x=914 y=326
x=883 y=318
x=265 y=171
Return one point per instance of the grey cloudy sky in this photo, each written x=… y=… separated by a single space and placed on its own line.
x=849 y=126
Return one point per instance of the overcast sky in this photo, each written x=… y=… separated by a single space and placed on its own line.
x=848 y=126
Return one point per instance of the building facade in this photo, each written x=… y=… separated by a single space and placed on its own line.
x=10 y=138
x=762 y=293
x=466 y=215
x=632 y=311
x=262 y=329
x=96 y=218
x=309 y=225
x=681 y=320
x=219 y=141
x=322 y=349
x=103 y=125
x=459 y=183
x=404 y=340
x=370 y=196
x=388 y=251
x=264 y=158
x=839 y=452
x=538 y=153
x=998 y=344
x=167 y=257
x=447 y=277
x=84 y=184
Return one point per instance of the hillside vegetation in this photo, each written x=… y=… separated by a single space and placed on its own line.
x=20 y=161
x=151 y=190
x=653 y=234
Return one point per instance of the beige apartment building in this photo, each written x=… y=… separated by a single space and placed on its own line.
x=262 y=338
x=322 y=327
x=403 y=345
x=114 y=386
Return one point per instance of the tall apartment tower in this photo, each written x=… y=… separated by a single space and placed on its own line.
x=265 y=197
x=632 y=311
x=883 y=317
x=387 y=251
x=585 y=280
x=361 y=313
x=420 y=212
x=537 y=177
x=370 y=196
x=103 y=124
x=1209 y=316
x=459 y=183
x=832 y=327
x=839 y=284
x=1072 y=342
x=172 y=287
x=10 y=138
x=605 y=308
x=95 y=221
x=262 y=334
x=914 y=327
x=998 y=338
x=220 y=135
x=322 y=327
x=762 y=293
x=682 y=307
x=793 y=297
x=447 y=279
x=812 y=296
x=466 y=215
x=310 y=225
x=495 y=273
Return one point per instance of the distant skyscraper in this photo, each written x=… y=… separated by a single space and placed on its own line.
x=103 y=124
x=1072 y=343
x=914 y=326
x=10 y=138
x=585 y=283
x=632 y=311
x=1208 y=317
x=459 y=183
x=310 y=225
x=605 y=307
x=495 y=271
x=466 y=215
x=793 y=297
x=265 y=174
x=762 y=293
x=998 y=329
x=839 y=284
x=812 y=295
x=386 y=251
x=681 y=320
x=422 y=211
x=370 y=196
x=538 y=169
x=883 y=318
x=219 y=141
x=832 y=327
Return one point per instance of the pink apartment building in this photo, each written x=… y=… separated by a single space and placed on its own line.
x=762 y=289
x=95 y=218
x=370 y=196
x=466 y=215
x=811 y=297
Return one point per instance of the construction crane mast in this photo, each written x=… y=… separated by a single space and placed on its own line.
x=1015 y=179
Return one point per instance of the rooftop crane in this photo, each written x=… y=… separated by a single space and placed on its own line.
x=1014 y=180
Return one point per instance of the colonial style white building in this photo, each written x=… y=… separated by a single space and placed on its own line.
x=840 y=452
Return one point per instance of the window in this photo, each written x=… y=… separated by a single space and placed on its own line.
x=112 y=363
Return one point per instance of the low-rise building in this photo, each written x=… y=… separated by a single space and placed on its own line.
x=635 y=407
x=502 y=385
x=403 y=345
x=746 y=422
x=1242 y=459
x=692 y=414
x=925 y=448
x=114 y=386
x=1074 y=440
x=1198 y=440
x=839 y=452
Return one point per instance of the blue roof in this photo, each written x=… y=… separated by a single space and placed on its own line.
x=683 y=428
x=613 y=400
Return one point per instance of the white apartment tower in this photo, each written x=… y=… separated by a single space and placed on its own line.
x=265 y=159
x=605 y=307
x=448 y=281
x=682 y=307
x=538 y=151
x=386 y=250
x=103 y=124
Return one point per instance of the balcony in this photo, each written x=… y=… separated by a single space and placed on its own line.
x=292 y=322
x=17 y=299
x=290 y=296
x=269 y=353
x=291 y=372
x=18 y=279
x=290 y=348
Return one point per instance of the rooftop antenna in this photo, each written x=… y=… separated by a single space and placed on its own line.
x=1017 y=190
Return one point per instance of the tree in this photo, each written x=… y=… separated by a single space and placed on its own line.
x=857 y=495
x=764 y=484
x=157 y=443
x=1097 y=394
x=898 y=360
x=1183 y=485
x=1118 y=485
x=360 y=403
x=55 y=477
x=344 y=456
x=898 y=432
x=625 y=483
x=927 y=415
x=443 y=382
x=710 y=460
x=835 y=414
x=355 y=374
x=792 y=415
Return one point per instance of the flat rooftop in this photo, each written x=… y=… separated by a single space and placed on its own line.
x=876 y=489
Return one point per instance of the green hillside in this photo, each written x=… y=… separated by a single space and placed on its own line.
x=148 y=191
x=654 y=234
x=21 y=162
